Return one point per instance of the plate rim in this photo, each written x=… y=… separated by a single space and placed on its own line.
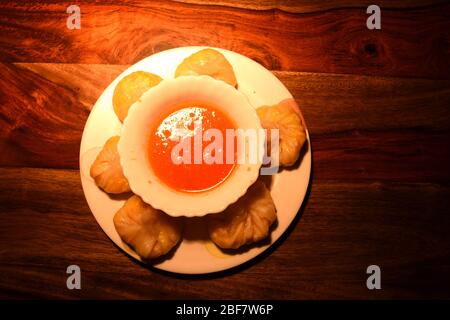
x=252 y=256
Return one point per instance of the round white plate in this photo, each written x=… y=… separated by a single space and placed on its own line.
x=196 y=254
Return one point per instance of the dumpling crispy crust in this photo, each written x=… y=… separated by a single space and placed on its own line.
x=244 y=222
x=208 y=62
x=130 y=89
x=292 y=132
x=106 y=169
x=150 y=232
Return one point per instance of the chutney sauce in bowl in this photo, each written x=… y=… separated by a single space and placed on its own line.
x=175 y=150
x=192 y=172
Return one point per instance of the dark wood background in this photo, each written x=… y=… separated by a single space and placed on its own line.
x=377 y=104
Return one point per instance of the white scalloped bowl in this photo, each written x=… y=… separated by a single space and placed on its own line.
x=133 y=145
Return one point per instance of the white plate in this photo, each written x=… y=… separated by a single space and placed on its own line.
x=195 y=254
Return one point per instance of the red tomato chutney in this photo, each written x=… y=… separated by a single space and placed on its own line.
x=194 y=175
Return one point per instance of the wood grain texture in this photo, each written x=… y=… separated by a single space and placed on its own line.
x=377 y=108
x=336 y=40
x=43 y=111
x=344 y=228
x=307 y=6
x=361 y=127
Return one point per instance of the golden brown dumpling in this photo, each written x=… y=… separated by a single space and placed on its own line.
x=150 y=232
x=244 y=222
x=130 y=89
x=208 y=62
x=292 y=132
x=106 y=169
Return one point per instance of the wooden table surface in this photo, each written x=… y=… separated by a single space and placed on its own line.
x=377 y=104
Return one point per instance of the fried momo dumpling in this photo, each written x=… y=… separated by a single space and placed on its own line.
x=244 y=222
x=130 y=89
x=292 y=132
x=150 y=232
x=106 y=169
x=208 y=62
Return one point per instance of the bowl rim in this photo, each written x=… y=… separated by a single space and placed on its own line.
x=136 y=167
